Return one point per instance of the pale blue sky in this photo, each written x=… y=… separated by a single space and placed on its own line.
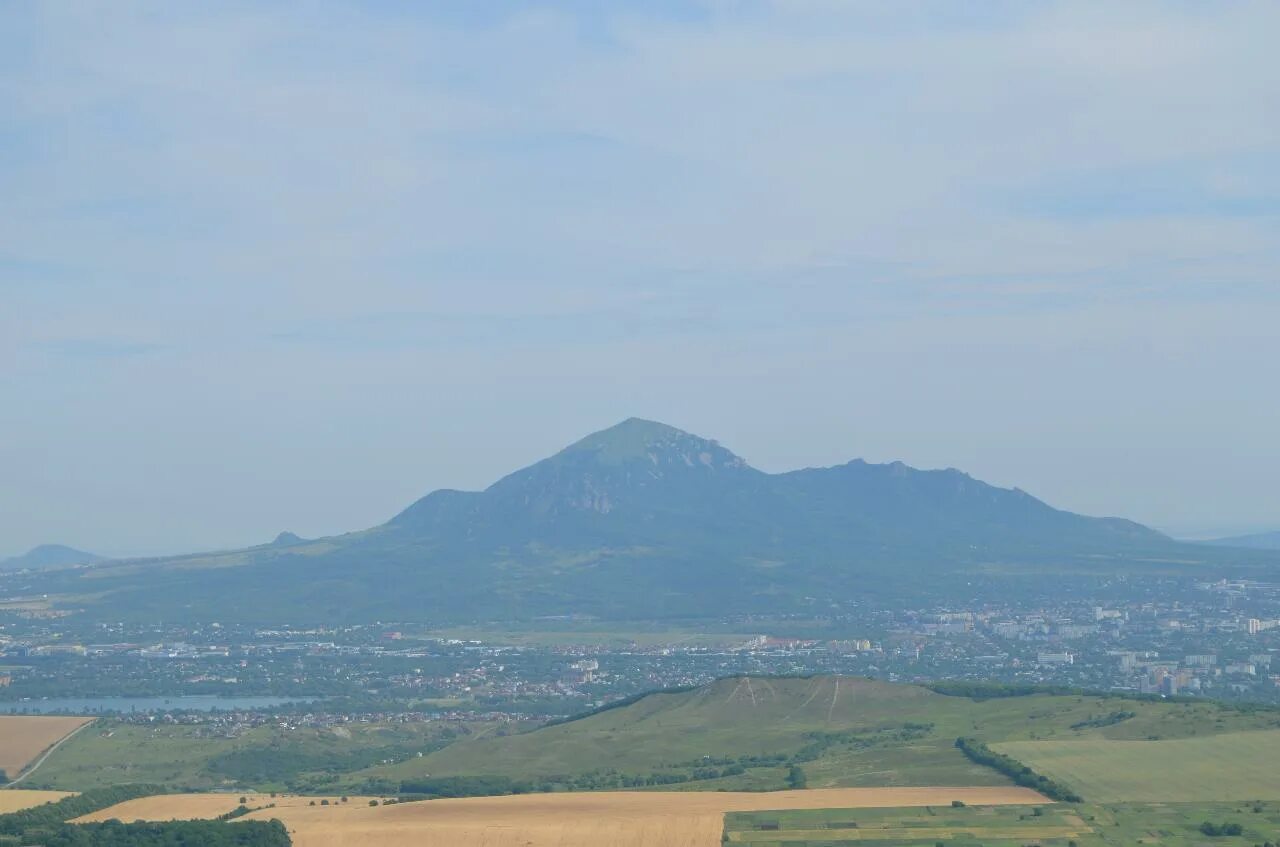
x=289 y=266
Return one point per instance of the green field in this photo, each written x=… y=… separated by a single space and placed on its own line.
x=842 y=731
x=1233 y=766
x=265 y=758
x=898 y=827
x=1172 y=825
x=744 y=733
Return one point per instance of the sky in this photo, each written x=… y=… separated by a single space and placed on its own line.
x=289 y=266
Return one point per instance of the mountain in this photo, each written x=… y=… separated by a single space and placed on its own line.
x=1258 y=541
x=641 y=481
x=49 y=556
x=643 y=520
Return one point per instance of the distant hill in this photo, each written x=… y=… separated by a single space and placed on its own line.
x=287 y=539
x=643 y=520
x=1259 y=541
x=49 y=556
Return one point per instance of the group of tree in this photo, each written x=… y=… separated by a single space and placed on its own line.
x=462 y=786
x=1215 y=830
x=983 y=690
x=1018 y=772
x=166 y=834
x=819 y=742
x=597 y=780
x=1104 y=720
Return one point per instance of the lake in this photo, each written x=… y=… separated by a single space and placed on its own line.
x=108 y=705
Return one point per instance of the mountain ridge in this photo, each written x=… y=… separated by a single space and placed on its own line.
x=1252 y=541
x=642 y=520
x=594 y=473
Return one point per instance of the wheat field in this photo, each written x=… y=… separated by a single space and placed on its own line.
x=17 y=799
x=618 y=819
x=184 y=807
x=24 y=737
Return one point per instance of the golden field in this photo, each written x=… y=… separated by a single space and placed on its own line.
x=17 y=799
x=619 y=819
x=185 y=807
x=24 y=737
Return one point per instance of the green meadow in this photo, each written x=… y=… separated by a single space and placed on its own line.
x=1088 y=825
x=1231 y=766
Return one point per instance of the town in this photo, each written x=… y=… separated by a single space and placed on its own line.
x=1158 y=637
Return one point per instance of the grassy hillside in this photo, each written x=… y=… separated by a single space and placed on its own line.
x=840 y=731
x=266 y=758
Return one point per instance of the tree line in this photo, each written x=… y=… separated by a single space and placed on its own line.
x=166 y=834
x=1018 y=772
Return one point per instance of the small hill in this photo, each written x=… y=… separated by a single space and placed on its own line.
x=746 y=733
x=49 y=556
x=288 y=539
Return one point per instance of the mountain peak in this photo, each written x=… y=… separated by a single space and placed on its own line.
x=640 y=439
x=631 y=431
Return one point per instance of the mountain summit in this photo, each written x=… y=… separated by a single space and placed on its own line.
x=636 y=439
x=635 y=465
x=643 y=520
